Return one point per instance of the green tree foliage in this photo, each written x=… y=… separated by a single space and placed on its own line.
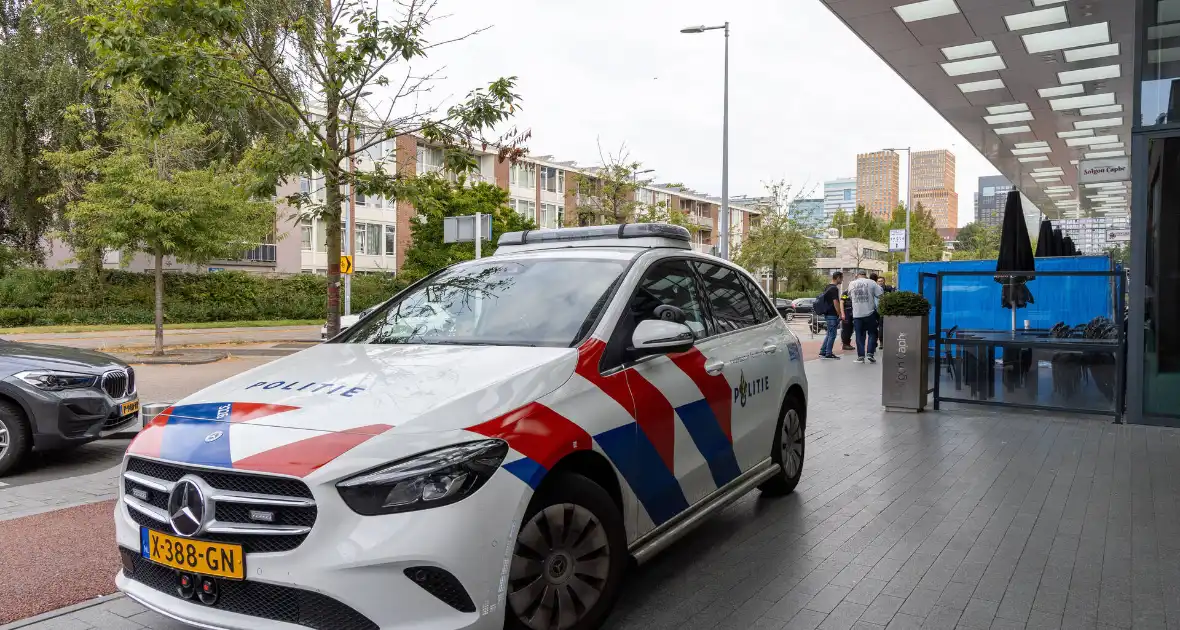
x=925 y=243
x=784 y=242
x=437 y=198
x=978 y=242
x=312 y=61
x=1119 y=253
x=609 y=194
x=860 y=224
x=163 y=194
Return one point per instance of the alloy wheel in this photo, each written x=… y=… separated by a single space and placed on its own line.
x=3 y=439
x=560 y=567
x=792 y=444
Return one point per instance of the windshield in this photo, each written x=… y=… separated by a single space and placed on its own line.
x=546 y=302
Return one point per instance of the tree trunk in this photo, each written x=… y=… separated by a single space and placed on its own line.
x=774 y=280
x=159 y=349
x=332 y=173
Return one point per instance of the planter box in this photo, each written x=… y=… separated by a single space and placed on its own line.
x=905 y=364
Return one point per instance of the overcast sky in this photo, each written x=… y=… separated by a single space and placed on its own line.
x=806 y=95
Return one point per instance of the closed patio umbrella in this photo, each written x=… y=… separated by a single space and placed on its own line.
x=1045 y=240
x=1058 y=242
x=1016 y=255
x=1070 y=248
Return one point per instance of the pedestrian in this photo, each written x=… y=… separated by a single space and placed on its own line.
x=828 y=306
x=846 y=328
x=864 y=294
x=881 y=320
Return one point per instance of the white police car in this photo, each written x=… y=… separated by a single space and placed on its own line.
x=486 y=450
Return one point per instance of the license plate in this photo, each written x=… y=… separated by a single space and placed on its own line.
x=129 y=407
x=193 y=556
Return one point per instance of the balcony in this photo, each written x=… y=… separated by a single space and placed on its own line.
x=700 y=221
x=266 y=253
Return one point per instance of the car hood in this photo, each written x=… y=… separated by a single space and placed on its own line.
x=296 y=414
x=45 y=356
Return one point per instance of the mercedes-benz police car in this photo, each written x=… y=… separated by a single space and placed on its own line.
x=489 y=449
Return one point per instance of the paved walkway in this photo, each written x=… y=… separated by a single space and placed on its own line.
x=966 y=518
x=145 y=338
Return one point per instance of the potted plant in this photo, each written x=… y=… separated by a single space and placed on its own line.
x=905 y=368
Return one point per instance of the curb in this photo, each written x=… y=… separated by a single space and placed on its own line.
x=46 y=616
x=184 y=359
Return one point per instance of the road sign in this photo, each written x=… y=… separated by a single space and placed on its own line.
x=461 y=229
x=346 y=265
x=897 y=240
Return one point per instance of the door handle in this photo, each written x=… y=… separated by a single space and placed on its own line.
x=713 y=368
x=770 y=347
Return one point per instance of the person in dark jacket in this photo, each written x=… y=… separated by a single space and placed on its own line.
x=881 y=320
x=846 y=329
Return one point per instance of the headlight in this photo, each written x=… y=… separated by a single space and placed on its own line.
x=57 y=381
x=424 y=481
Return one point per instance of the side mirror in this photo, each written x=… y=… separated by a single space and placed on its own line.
x=655 y=336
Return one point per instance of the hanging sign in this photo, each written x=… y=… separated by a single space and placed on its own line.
x=1104 y=170
x=897 y=240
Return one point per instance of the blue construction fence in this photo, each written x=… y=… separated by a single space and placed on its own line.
x=973 y=302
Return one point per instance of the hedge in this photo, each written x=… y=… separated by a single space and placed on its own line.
x=43 y=297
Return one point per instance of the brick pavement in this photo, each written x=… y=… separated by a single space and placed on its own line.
x=968 y=518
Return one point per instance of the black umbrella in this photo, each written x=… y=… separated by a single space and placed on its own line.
x=1058 y=242
x=1016 y=257
x=1045 y=240
x=1070 y=249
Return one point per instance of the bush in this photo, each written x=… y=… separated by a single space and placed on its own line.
x=904 y=304
x=47 y=297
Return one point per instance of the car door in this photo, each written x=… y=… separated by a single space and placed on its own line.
x=747 y=351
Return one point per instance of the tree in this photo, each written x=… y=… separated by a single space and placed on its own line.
x=437 y=198
x=1119 y=253
x=978 y=242
x=318 y=63
x=162 y=194
x=783 y=242
x=860 y=224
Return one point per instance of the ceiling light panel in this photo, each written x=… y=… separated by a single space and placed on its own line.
x=1042 y=3
x=1078 y=102
x=1007 y=109
x=1098 y=123
x=1031 y=145
x=926 y=10
x=1048 y=169
x=1065 y=90
x=1093 y=52
x=1035 y=158
x=1032 y=151
x=1098 y=111
x=1001 y=119
x=1105 y=154
x=1100 y=73
x=973 y=66
x=1075 y=37
x=966 y=51
x=1107 y=147
x=1004 y=131
x=1075 y=134
x=1034 y=19
x=980 y=86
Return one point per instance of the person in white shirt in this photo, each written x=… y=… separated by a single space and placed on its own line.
x=864 y=294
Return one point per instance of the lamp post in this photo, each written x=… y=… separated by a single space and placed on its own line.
x=909 y=195
x=350 y=232
x=723 y=250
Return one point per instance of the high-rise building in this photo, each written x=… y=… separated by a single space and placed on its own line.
x=992 y=194
x=1095 y=235
x=839 y=194
x=932 y=184
x=878 y=182
x=809 y=210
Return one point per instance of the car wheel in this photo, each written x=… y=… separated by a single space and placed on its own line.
x=14 y=436
x=569 y=559
x=788 y=449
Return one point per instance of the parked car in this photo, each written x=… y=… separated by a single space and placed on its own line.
x=786 y=308
x=804 y=305
x=492 y=448
x=54 y=397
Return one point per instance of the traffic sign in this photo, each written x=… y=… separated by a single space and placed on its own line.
x=346 y=265
x=897 y=240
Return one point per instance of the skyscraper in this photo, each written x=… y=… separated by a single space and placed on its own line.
x=878 y=182
x=839 y=194
x=932 y=184
x=993 y=194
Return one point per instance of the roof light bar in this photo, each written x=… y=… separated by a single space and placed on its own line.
x=596 y=232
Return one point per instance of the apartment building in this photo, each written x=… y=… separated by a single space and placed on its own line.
x=851 y=255
x=839 y=194
x=1095 y=235
x=878 y=182
x=932 y=184
x=992 y=195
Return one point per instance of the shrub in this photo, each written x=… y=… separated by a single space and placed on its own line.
x=904 y=304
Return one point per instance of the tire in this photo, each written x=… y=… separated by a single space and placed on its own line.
x=788 y=451
x=15 y=440
x=569 y=560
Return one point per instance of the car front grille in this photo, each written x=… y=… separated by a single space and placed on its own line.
x=119 y=383
x=266 y=601
x=264 y=514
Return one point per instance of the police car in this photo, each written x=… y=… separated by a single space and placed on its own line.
x=489 y=449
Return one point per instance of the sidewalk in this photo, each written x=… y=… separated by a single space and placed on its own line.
x=145 y=338
x=965 y=518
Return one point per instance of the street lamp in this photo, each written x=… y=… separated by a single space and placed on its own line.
x=909 y=195
x=723 y=250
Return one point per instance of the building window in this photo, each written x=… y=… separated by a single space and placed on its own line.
x=552 y=179
x=552 y=215
x=305 y=234
x=847 y=195
x=430 y=159
x=360 y=199
x=368 y=239
x=523 y=175
x=390 y=240
x=827 y=252
x=526 y=208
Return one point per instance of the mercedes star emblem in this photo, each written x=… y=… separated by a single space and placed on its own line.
x=187 y=508
x=214 y=436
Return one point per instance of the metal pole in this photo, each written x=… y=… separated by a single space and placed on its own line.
x=725 y=157
x=909 y=197
x=478 y=234
x=350 y=232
